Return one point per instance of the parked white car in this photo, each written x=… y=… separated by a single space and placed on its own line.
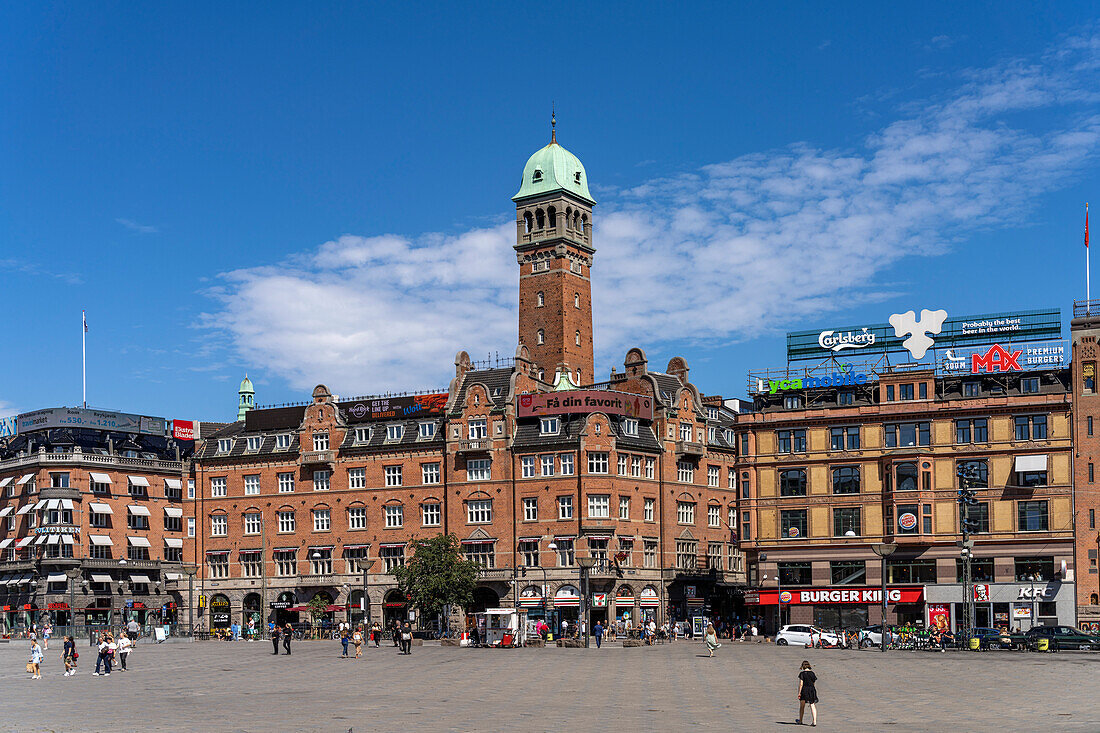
x=798 y=635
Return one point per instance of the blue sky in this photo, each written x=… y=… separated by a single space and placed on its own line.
x=320 y=193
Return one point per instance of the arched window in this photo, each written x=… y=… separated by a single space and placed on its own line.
x=568 y=217
x=540 y=337
x=584 y=224
x=552 y=217
x=578 y=338
x=527 y=222
x=536 y=176
x=578 y=382
x=576 y=219
x=576 y=300
x=1094 y=599
x=540 y=299
x=905 y=476
x=540 y=218
x=542 y=375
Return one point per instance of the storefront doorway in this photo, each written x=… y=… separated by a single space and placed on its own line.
x=394 y=608
x=484 y=598
x=252 y=610
x=282 y=606
x=219 y=611
x=357 y=612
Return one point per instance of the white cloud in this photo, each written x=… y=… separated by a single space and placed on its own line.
x=136 y=227
x=722 y=253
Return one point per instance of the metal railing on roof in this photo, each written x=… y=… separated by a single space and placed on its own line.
x=357 y=398
x=1083 y=308
x=494 y=361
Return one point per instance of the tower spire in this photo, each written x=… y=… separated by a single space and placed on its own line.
x=553 y=123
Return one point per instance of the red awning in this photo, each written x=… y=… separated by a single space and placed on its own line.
x=307 y=609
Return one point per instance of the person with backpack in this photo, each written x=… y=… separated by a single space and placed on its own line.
x=344 y=639
x=69 y=656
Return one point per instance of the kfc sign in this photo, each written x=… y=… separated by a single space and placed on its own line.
x=997 y=359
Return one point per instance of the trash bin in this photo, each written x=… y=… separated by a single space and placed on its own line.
x=975 y=644
x=1042 y=644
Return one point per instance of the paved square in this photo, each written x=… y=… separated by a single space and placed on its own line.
x=218 y=686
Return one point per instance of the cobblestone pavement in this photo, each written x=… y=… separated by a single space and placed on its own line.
x=219 y=686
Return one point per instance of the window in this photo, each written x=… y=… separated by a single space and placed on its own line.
x=530 y=509
x=321 y=480
x=225 y=445
x=565 y=551
x=395 y=515
x=282 y=442
x=648 y=509
x=357 y=517
x=972 y=389
x=624 y=508
x=478 y=469
x=686 y=551
x=1029 y=385
x=792 y=402
x=216 y=562
x=357 y=478
x=134 y=487
x=393 y=475
x=95 y=519
x=133 y=521
x=59 y=480
x=911 y=571
x=731 y=479
x=190 y=526
x=745 y=444
x=394 y=433
x=685 y=512
x=356 y=559
x=685 y=431
x=599 y=506
x=714 y=476
x=1034 y=568
x=1090 y=424
x=479 y=428
x=685 y=472
x=899 y=435
x=392 y=557
x=905 y=391
x=977 y=473
x=219 y=525
x=847 y=519
x=577 y=296
x=889 y=393
x=623 y=465
x=1038 y=427
x=98 y=552
x=790 y=441
x=846 y=480
x=846 y=438
x=792 y=522
x=845 y=398
x=431 y=514
x=286 y=483
x=597 y=462
x=714 y=556
x=320 y=560
x=649 y=553
x=322 y=520
x=972 y=431
x=425 y=431
x=1032 y=516
x=848 y=572
x=540 y=336
x=566 y=460
x=320 y=441
x=253 y=523
x=714 y=516
x=252 y=484
x=98 y=487
x=362 y=435
x=906 y=476
x=565 y=507
x=217 y=487
x=483 y=553
x=547 y=464
x=1091 y=474
x=1031 y=478
x=251 y=564
x=254 y=443
x=630 y=426
x=540 y=299
x=549 y=426
x=712 y=433
x=981 y=570
x=527 y=466
x=792 y=482
x=285 y=563
x=286 y=521
x=429 y=473
x=978 y=514
x=479 y=511
x=650 y=464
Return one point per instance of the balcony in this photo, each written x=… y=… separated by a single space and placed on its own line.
x=313 y=580
x=113 y=564
x=57 y=492
x=604 y=569
x=318 y=457
x=474 y=445
x=494 y=574
x=91 y=460
x=689 y=449
x=17 y=566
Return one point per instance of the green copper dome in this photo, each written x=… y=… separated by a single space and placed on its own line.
x=246 y=386
x=554 y=168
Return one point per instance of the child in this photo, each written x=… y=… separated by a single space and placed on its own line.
x=807 y=693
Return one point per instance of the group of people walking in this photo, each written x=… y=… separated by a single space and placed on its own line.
x=107 y=649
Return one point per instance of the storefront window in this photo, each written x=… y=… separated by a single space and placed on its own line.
x=792 y=482
x=1034 y=568
x=793 y=522
x=911 y=571
x=795 y=573
x=848 y=572
x=981 y=570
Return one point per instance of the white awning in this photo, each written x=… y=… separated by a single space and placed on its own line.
x=138 y=541
x=172 y=576
x=41 y=503
x=24 y=542
x=55 y=539
x=173 y=541
x=173 y=483
x=173 y=511
x=53 y=504
x=66 y=539
x=25 y=508
x=55 y=578
x=136 y=510
x=1026 y=464
x=6 y=511
x=41 y=539
x=138 y=480
x=6 y=481
x=25 y=479
x=100 y=578
x=100 y=508
x=67 y=504
x=5 y=543
x=100 y=478
x=100 y=539
x=140 y=579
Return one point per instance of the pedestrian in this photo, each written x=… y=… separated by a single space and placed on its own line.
x=376 y=633
x=274 y=639
x=47 y=630
x=133 y=629
x=252 y=629
x=755 y=633
x=344 y=639
x=711 y=639
x=34 y=666
x=564 y=628
x=597 y=631
x=406 y=639
x=357 y=638
x=288 y=632
x=807 y=693
x=69 y=656
x=103 y=661
x=125 y=645
x=395 y=629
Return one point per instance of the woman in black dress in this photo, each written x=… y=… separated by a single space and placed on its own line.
x=807 y=693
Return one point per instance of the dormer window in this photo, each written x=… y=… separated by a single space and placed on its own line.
x=712 y=413
x=577 y=177
x=537 y=176
x=426 y=430
x=225 y=445
x=282 y=441
x=394 y=432
x=549 y=426
x=254 y=443
x=630 y=426
x=362 y=435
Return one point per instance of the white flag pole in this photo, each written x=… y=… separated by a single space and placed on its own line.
x=1088 y=289
x=84 y=356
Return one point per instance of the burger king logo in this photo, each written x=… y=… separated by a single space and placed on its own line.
x=785 y=597
x=907 y=521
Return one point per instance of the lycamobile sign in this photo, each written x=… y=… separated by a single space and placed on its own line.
x=838 y=379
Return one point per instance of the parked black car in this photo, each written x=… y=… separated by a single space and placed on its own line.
x=1061 y=637
x=990 y=638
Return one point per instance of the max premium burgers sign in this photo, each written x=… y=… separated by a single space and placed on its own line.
x=585 y=401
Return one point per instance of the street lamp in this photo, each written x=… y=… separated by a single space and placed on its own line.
x=122 y=591
x=190 y=570
x=585 y=563
x=74 y=576
x=779 y=591
x=884 y=550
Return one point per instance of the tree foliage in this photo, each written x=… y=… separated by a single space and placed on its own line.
x=437 y=575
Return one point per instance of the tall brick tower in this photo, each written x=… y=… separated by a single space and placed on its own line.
x=554 y=251
x=1085 y=329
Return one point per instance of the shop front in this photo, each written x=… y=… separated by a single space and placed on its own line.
x=650 y=604
x=252 y=610
x=60 y=614
x=567 y=604
x=624 y=606
x=839 y=607
x=220 y=617
x=394 y=608
x=1019 y=605
x=281 y=612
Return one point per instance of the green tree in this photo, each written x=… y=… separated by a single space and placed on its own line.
x=317 y=607
x=437 y=575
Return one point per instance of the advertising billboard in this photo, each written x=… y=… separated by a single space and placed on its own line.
x=77 y=417
x=183 y=429
x=8 y=427
x=386 y=408
x=585 y=401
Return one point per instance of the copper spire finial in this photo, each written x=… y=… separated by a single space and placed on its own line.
x=553 y=123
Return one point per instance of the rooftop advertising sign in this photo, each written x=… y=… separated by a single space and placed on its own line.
x=9 y=427
x=384 y=408
x=905 y=332
x=584 y=401
x=77 y=417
